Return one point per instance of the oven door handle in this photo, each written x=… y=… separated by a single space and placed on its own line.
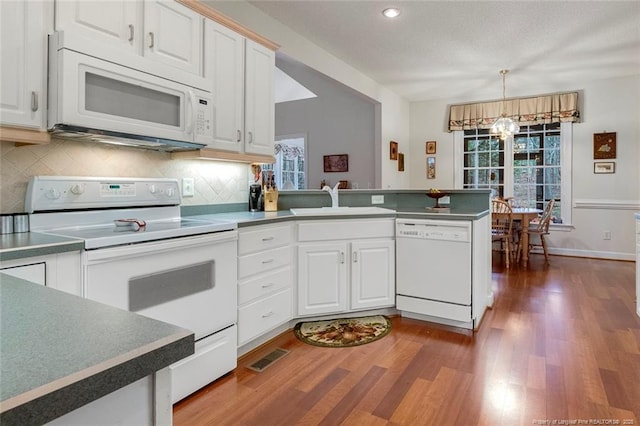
x=151 y=247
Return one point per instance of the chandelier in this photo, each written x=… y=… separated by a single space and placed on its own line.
x=504 y=126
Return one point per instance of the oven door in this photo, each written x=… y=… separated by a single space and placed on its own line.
x=189 y=282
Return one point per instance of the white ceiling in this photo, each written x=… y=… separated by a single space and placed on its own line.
x=454 y=49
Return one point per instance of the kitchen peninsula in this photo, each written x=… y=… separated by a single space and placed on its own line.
x=305 y=230
x=68 y=359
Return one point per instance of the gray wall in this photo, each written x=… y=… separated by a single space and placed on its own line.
x=338 y=121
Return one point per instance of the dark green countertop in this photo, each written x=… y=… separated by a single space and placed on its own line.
x=60 y=352
x=245 y=218
x=29 y=244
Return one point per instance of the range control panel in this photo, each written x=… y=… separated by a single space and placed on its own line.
x=57 y=193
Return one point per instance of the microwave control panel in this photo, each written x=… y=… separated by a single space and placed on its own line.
x=204 y=116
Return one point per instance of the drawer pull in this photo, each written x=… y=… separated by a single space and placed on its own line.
x=268 y=314
x=265 y=239
x=268 y=285
x=264 y=262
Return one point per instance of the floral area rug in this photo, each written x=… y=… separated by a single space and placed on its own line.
x=344 y=332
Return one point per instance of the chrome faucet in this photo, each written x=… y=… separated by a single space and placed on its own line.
x=334 y=194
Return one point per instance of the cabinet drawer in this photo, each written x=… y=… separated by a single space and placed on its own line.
x=262 y=315
x=263 y=285
x=264 y=237
x=263 y=261
x=345 y=229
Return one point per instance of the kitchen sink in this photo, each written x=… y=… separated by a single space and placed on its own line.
x=321 y=211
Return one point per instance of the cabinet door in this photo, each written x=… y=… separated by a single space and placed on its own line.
x=259 y=103
x=372 y=274
x=116 y=23
x=173 y=35
x=322 y=278
x=23 y=38
x=34 y=272
x=224 y=67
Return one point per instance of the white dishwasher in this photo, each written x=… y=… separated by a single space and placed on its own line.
x=433 y=269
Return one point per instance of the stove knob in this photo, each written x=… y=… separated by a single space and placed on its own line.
x=170 y=192
x=52 y=194
x=77 y=189
x=152 y=189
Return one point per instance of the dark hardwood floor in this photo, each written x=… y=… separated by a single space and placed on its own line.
x=562 y=342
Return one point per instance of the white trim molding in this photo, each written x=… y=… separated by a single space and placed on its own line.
x=607 y=204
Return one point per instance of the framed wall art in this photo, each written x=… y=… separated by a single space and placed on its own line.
x=431 y=147
x=431 y=167
x=400 y=162
x=604 y=146
x=336 y=163
x=393 y=150
x=604 y=167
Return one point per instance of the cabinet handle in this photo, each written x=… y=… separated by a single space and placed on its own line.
x=267 y=261
x=267 y=239
x=341 y=257
x=239 y=136
x=267 y=315
x=267 y=285
x=250 y=137
x=355 y=257
x=34 y=101
x=130 y=33
x=151 y=41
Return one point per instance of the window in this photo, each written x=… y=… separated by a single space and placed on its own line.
x=528 y=167
x=289 y=168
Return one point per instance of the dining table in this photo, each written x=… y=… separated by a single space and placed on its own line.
x=525 y=215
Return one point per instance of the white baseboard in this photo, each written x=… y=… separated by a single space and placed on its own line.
x=608 y=255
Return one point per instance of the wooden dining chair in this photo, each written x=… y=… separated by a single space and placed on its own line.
x=539 y=230
x=502 y=228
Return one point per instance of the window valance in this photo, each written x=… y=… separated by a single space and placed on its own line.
x=556 y=108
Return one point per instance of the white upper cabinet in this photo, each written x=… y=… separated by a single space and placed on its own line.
x=259 y=99
x=162 y=31
x=224 y=67
x=23 y=37
x=173 y=35
x=242 y=75
x=115 y=23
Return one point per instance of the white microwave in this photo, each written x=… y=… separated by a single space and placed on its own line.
x=99 y=100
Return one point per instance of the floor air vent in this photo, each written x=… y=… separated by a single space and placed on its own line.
x=264 y=362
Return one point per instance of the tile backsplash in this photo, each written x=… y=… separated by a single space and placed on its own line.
x=215 y=182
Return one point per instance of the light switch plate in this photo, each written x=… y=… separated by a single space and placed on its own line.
x=377 y=199
x=188 y=189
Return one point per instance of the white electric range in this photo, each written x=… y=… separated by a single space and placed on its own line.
x=142 y=256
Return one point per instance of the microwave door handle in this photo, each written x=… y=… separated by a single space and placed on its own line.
x=191 y=113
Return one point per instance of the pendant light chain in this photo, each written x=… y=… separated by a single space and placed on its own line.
x=504 y=127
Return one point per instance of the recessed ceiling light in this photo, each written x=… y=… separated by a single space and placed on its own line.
x=391 y=12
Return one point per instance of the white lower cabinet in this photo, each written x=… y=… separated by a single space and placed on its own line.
x=322 y=278
x=345 y=265
x=61 y=271
x=372 y=274
x=265 y=279
x=264 y=314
